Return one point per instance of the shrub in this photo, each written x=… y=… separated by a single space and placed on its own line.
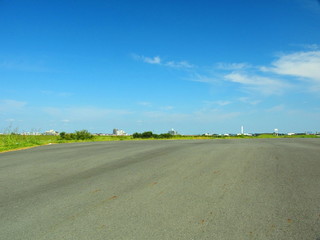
x=83 y=135
x=78 y=135
x=136 y=135
x=150 y=134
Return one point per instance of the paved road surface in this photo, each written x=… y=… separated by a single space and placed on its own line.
x=203 y=189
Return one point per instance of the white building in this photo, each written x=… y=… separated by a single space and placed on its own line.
x=31 y=133
x=119 y=132
x=51 y=132
x=173 y=132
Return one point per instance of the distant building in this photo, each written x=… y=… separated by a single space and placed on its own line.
x=173 y=132
x=51 y=133
x=119 y=132
x=31 y=133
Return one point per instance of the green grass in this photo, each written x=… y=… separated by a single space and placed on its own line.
x=287 y=136
x=15 y=141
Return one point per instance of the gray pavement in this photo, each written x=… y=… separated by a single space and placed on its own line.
x=191 y=189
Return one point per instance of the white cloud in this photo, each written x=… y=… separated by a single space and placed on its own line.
x=213 y=116
x=157 y=60
x=8 y=105
x=208 y=104
x=277 y=108
x=264 y=85
x=167 y=108
x=80 y=114
x=182 y=64
x=161 y=116
x=299 y=71
x=233 y=66
x=206 y=114
x=223 y=103
x=312 y=46
x=153 y=60
x=202 y=78
x=56 y=94
x=11 y=120
x=249 y=100
x=145 y=104
x=301 y=64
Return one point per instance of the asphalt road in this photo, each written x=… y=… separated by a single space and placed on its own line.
x=191 y=189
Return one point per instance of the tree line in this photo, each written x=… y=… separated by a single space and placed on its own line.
x=150 y=134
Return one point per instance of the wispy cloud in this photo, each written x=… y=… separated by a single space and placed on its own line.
x=154 y=60
x=293 y=71
x=157 y=60
x=163 y=116
x=202 y=78
x=84 y=113
x=217 y=103
x=264 y=85
x=149 y=105
x=167 y=108
x=310 y=46
x=277 y=108
x=196 y=117
x=223 y=103
x=145 y=104
x=9 y=105
x=150 y=60
x=248 y=100
x=214 y=115
x=298 y=71
x=182 y=64
x=56 y=94
x=304 y=65
x=233 y=66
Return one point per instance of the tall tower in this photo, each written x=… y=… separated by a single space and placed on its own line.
x=242 y=132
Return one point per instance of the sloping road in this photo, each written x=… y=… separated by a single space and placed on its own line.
x=203 y=189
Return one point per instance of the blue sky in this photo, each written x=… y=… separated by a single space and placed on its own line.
x=195 y=66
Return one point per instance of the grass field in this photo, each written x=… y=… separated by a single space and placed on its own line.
x=15 y=141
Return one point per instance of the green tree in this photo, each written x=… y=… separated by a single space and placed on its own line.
x=147 y=134
x=78 y=135
x=83 y=135
x=63 y=135
x=136 y=135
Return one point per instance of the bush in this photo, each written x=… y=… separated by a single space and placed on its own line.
x=83 y=135
x=152 y=135
x=136 y=135
x=78 y=135
x=147 y=135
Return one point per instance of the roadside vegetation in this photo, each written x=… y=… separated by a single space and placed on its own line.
x=78 y=135
x=149 y=135
x=16 y=141
x=12 y=140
